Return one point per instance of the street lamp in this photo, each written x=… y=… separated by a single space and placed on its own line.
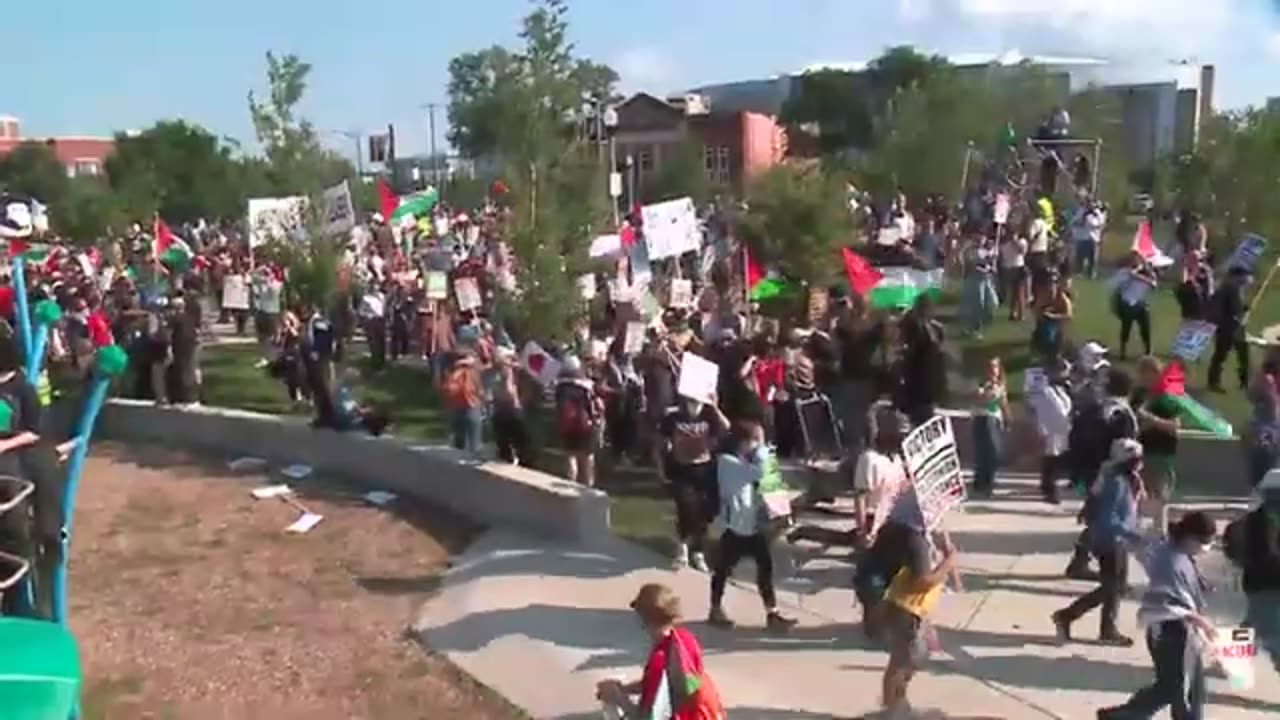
x=354 y=136
x=610 y=120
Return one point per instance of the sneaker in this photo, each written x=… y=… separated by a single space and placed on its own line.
x=1080 y=571
x=778 y=623
x=699 y=562
x=681 y=558
x=718 y=618
x=1062 y=625
x=1115 y=639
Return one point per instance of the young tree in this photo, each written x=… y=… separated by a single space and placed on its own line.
x=798 y=219
x=33 y=169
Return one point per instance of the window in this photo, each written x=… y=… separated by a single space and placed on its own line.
x=709 y=161
x=644 y=158
x=85 y=168
x=722 y=165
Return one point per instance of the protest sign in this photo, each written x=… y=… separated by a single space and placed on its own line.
x=1235 y=649
x=235 y=292
x=587 y=286
x=467 y=292
x=437 y=285
x=1001 y=210
x=633 y=341
x=1192 y=339
x=641 y=271
x=671 y=228
x=1247 y=253
x=680 y=294
x=934 y=466
x=889 y=236
x=605 y=246
x=649 y=307
x=339 y=212
x=1034 y=381
x=698 y=378
x=539 y=364
x=275 y=218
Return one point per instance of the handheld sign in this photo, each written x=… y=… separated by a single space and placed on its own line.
x=933 y=463
x=1192 y=339
x=467 y=292
x=1248 y=253
x=698 y=378
x=1235 y=649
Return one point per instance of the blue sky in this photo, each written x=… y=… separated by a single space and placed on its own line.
x=90 y=67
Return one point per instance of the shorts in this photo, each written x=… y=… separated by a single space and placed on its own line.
x=1159 y=476
x=905 y=636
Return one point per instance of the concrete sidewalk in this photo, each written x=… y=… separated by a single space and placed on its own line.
x=542 y=623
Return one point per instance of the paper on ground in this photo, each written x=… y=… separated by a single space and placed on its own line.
x=297 y=472
x=246 y=464
x=266 y=492
x=379 y=497
x=305 y=522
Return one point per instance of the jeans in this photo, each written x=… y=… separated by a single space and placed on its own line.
x=1087 y=258
x=1113 y=572
x=1263 y=615
x=1180 y=683
x=988 y=434
x=697 y=500
x=466 y=428
x=733 y=548
x=980 y=300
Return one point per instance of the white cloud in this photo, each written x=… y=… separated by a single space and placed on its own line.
x=645 y=69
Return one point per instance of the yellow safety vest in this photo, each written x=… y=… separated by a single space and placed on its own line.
x=44 y=389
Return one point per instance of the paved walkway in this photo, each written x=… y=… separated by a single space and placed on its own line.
x=541 y=623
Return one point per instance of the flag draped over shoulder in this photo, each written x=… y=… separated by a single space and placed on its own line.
x=1172 y=385
x=675 y=685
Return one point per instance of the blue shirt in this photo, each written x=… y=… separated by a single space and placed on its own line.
x=1115 y=518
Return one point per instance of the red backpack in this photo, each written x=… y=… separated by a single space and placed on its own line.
x=572 y=418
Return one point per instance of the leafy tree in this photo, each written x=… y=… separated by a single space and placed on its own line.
x=186 y=171
x=33 y=169
x=89 y=211
x=798 y=218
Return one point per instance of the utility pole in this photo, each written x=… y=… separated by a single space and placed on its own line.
x=431 y=142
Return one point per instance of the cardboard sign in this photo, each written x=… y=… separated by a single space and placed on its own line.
x=671 y=228
x=437 y=285
x=1192 y=340
x=467 y=292
x=889 y=236
x=1134 y=291
x=1235 y=649
x=680 y=294
x=605 y=246
x=1248 y=253
x=339 y=212
x=235 y=292
x=1034 y=381
x=275 y=218
x=633 y=341
x=933 y=463
x=699 y=378
x=1001 y=210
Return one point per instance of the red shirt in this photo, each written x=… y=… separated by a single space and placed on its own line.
x=99 y=329
x=769 y=373
x=8 y=301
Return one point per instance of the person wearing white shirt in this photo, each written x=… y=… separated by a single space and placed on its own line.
x=1050 y=406
x=373 y=315
x=1086 y=230
x=880 y=475
x=1013 y=266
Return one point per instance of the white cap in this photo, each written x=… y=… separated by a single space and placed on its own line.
x=1125 y=449
x=1093 y=356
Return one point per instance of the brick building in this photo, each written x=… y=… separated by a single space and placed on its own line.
x=735 y=145
x=81 y=156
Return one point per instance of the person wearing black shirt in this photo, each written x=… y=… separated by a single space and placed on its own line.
x=1252 y=543
x=858 y=337
x=924 y=371
x=1227 y=309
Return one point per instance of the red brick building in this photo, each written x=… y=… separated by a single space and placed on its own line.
x=735 y=145
x=81 y=156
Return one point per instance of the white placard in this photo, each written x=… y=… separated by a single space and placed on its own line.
x=1192 y=339
x=235 y=292
x=539 y=364
x=933 y=464
x=467 y=292
x=889 y=236
x=699 y=378
x=587 y=286
x=1248 y=253
x=339 y=212
x=633 y=341
x=437 y=285
x=1001 y=210
x=1235 y=649
x=1034 y=381
x=671 y=228
x=304 y=523
x=680 y=294
x=275 y=218
x=641 y=271
x=266 y=492
x=605 y=246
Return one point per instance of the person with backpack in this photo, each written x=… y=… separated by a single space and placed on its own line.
x=578 y=415
x=463 y=395
x=1252 y=543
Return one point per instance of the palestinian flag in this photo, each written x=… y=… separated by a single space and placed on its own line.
x=170 y=249
x=899 y=287
x=674 y=684
x=1145 y=245
x=1172 y=388
x=419 y=205
x=760 y=286
x=863 y=277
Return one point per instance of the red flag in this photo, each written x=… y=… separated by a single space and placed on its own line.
x=627 y=235
x=753 y=271
x=1173 y=381
x=1143 y=244
x=163 y=238
x=862 y=275
x=387 y=200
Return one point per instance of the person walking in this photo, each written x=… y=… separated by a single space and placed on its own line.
x=1177 y=630
x=1051 y=410
x=1252 y=543
x=373 y=314
x=463 y=395
x=746 y=521
x=1129 y=302
x=578 y=415
x=1113 y=526
x=1158 y=425
x=684 y=462
x=1227 y=309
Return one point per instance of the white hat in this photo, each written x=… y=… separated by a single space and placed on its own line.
x=1093 y=356
x=377 y=217
x=1125 y=449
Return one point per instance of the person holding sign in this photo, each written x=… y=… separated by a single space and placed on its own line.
x=746 y=522
x=1173 y=613
x=684 y=462
x=1129 y=302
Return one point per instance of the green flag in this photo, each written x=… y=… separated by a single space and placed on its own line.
x=419 y=205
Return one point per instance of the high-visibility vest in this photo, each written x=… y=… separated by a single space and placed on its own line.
x=44 y=389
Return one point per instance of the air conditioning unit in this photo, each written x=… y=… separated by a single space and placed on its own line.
x=692 y=103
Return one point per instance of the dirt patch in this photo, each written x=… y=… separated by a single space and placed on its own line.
x=190 y=601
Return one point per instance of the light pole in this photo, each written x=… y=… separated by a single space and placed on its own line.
x=355 y=137
x=610 y=120
x=631 y=181
x=431 y=143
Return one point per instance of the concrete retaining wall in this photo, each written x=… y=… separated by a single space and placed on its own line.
x=488 y=493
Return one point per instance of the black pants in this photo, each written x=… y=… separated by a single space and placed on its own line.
x=1130 y=314
x=510 y=435
x=1052 y=467
x=1179 y=684
x=733 y=548
x=1113 y=570
x=375 y=330
x=1223 y=344
x=693 y=487
x=399 y=337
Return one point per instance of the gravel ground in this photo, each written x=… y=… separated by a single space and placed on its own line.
x=190 y=601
